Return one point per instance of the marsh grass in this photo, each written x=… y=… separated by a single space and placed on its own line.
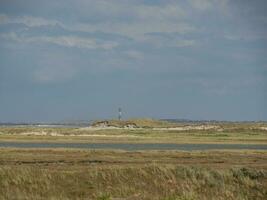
x=163 y=175
x=147 y=182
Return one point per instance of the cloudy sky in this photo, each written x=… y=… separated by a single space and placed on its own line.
x=82 y=59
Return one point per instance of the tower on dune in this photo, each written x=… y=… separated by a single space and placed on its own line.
x=120 y=114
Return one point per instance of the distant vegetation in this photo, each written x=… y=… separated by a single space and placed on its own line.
x=143 y=130
x=135 y=123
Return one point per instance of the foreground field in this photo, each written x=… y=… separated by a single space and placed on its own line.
x=84 y=174
x=133 y=175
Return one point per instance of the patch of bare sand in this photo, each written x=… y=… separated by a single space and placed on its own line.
x=43 y=133
x=186 y=128
x=180 y=128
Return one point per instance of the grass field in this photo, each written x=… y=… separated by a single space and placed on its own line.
x=248 y=133
x=161 y=175
x=84 y=174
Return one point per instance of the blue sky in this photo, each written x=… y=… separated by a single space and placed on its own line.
x=82 y=59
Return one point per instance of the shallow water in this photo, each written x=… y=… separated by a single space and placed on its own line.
x=135 y=147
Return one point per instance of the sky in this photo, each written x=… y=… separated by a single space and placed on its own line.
x=83 y=59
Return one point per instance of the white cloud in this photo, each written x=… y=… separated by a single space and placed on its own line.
x=245 y=36
x=160 y=40
x=136 y=30
x=79 y=42
x=131 y=19
x=68 y=41
x=171 y=11
x=172 y=43
x=145 y=19
x=29 y=21
x=118 y=9
x=142 y=19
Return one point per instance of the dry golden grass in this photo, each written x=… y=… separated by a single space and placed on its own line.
x=164 y=175
x=82 y=174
